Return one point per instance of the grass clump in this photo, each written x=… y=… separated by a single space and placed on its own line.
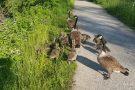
x=30 y=25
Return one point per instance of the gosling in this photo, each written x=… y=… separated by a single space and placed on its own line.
x=55 y=52
x=72 y=54
x=84 y=38
x=63 y=39
x=70 y=21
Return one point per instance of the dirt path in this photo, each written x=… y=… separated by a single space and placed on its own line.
x=121 y=40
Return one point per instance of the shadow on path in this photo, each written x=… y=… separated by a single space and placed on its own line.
x=90 y=43
x=91 y=64
x=113 y=31
x=91 y=49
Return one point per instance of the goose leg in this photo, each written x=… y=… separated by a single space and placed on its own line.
x=107 y=76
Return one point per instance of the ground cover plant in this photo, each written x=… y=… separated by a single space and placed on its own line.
x=27 y=25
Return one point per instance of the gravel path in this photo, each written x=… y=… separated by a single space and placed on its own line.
x=93 y=19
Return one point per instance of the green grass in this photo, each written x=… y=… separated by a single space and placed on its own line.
x=124 y=10
x=31 y=25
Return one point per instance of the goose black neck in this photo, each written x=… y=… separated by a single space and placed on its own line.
x=76 y=21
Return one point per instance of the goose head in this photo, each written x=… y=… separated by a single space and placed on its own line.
x=99 y=41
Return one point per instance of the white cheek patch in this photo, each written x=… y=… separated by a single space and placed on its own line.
x=100 y=37
x=74 y=30
x=116 y=71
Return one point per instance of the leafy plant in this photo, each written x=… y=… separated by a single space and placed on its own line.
x=33 y=25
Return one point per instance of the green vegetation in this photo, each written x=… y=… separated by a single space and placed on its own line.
x=31 y=24
x=122 y=9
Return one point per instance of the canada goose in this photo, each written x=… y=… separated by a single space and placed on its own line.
x=63 y=39
x=110 y=63
x=84 y=38
x=100 y=41
x=99 y=36
x=72 y=54
x=76 y=34
x=55 y=52
x=53 y=44
x=70 y=20
x=38 y=51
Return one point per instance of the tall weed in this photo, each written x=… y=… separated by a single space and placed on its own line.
x=34 y=24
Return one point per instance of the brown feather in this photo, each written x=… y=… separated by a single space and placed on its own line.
x=84 y=38
x=77 y=36
x=110 y=63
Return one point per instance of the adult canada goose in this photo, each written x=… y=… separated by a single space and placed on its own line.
x=84 y=38
x=110 y=63
x=72 y=54
x=70 y=20
x=100 y=41
x=99 y=36
x=76 y=34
